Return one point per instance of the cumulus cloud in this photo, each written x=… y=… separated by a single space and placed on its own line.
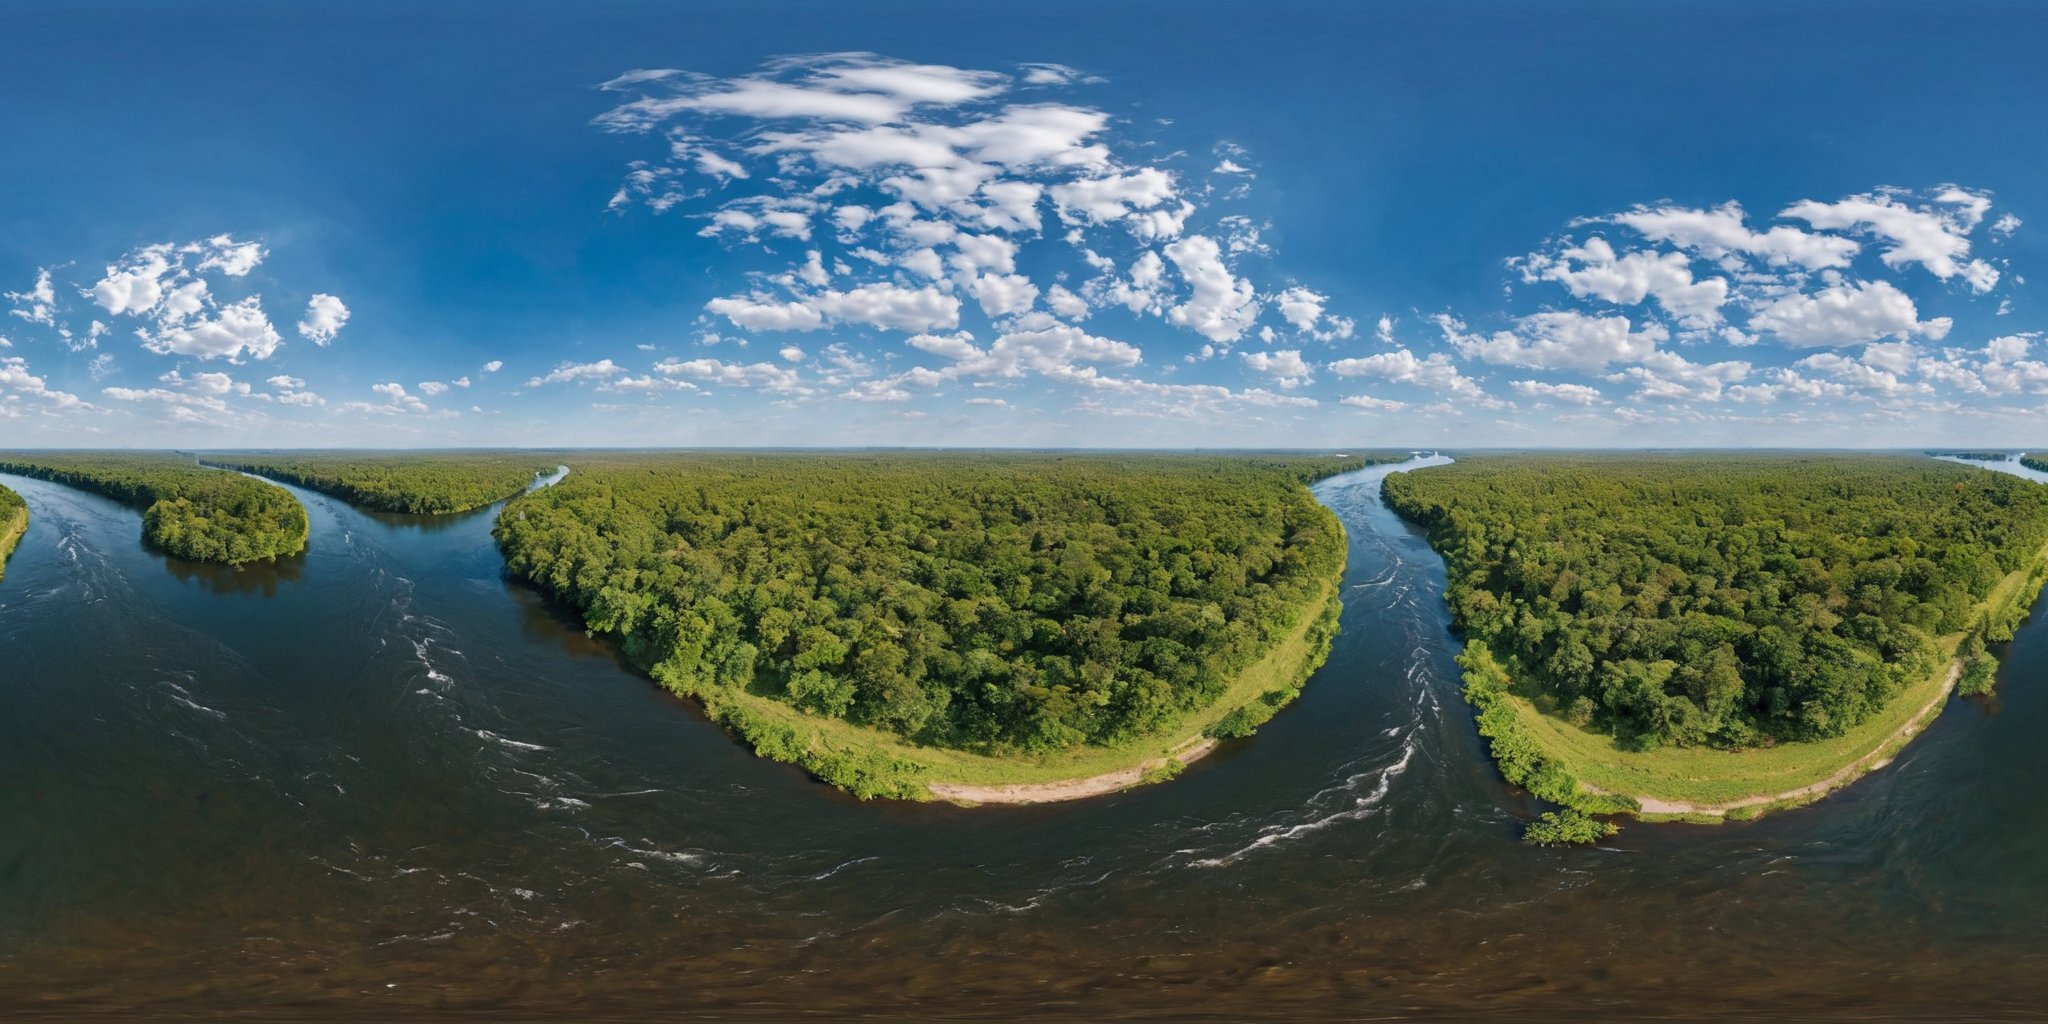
x=1846 y=313
x=1596 y=270
x=1558 y=340
x=167 y=285
x=1435 y=371
x=231 y=331
x=1221 y=306
x=1724 y=231
x=1933 y=234
x=1285 y=366
x=1671 y=377
x=325 y=317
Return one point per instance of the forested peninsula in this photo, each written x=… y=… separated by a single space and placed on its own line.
x=2034 y=462
x=205 y=515
x=1713 y=634
x=13 y=523
x=420 y=483
x=895 y=621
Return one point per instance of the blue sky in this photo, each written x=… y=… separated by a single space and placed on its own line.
x=1325 y=225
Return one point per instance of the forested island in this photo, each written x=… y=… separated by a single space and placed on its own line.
x=420 y=483
x=13 y=523
x=205 y=515
x=1694 y=634
x=2035 y=463
x=894 y=621
x=1974 y=456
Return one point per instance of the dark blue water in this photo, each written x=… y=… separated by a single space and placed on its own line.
x=379 y=778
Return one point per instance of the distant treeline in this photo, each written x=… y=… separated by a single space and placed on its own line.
x=13 y=523
x=206 y=515
x=1975 y=456
x=992 y=602
x=2035 y=463
x=423 y=483
x=1723 y=600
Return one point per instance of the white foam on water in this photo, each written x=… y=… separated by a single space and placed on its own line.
x=486 y=734
x=1361 y=806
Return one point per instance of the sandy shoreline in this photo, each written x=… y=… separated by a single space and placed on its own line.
x=1194 y=749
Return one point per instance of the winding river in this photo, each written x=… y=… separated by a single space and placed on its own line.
x=380 y=778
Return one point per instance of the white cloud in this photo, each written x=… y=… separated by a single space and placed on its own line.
x=1065 y=303
x=2008 y=348
x=1285 y=366
x=1595 y=270
x=1669 y=376
x=1222 y=306
x=235 y=259
x=1934 y=234
x=1561 y=340
x=432 y=388
x=1847 y=313
x=758 y=313
x=926 y=178
x=494 y=366
x=1436 y=371
x=325 y=317
x=1860 y=374
x=1371 y=404
x=1112 y=197
x=135 y=285
x=882 y=305
x=570 y=372
x=38 y=304
x=397 y=402
x=1003 y=294
x=749 y=375
x=1724 y=231
x=890 y=306
x=15 y=379
x=1577 y=394
x=235 y=329
x=165 y=283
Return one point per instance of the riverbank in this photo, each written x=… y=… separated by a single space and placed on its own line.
x=1710 y=785
x=872 y=762
x=13 y=523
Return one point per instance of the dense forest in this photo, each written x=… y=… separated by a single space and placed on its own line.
x=423 y=483
x=1722 y=600
x=1975 y=456
x=206 y=515
x=13 y=523
x=989 y=602
x=2035 y=463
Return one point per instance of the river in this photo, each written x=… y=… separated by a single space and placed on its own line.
x=379 y=778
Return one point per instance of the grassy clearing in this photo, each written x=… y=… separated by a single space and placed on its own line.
x=1711 y=779
x=893 y=766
